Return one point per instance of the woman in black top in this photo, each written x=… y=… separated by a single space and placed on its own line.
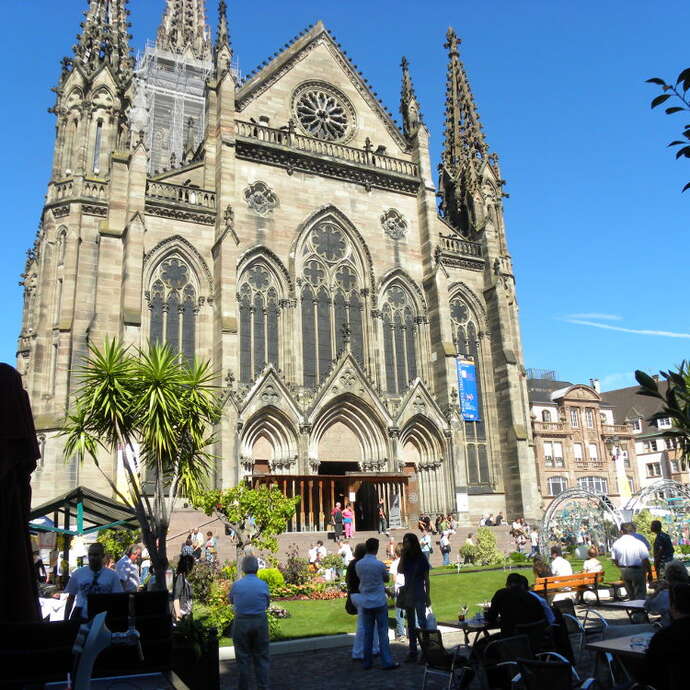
x=182 y=588
x=415 y=567
x=337 y=518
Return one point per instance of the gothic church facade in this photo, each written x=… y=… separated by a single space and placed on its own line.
x=285 y=227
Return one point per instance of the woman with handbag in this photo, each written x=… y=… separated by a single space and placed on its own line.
x=352 y=608
x=414 y=596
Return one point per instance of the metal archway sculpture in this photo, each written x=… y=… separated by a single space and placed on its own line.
x=637 y=501
x=575 y=496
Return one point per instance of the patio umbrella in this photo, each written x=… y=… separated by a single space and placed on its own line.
x=18 y=454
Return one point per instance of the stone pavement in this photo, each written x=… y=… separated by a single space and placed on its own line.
x=319 y=669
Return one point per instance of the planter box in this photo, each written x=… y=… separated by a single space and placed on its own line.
x=197 y=672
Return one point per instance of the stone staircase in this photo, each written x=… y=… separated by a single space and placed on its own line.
x=185 y=520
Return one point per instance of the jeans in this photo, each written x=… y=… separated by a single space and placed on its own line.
x=383 y=526
x=416 y=618
x=376 y=617
x=399 y=622
x=358 y=644
x=446 y=557
x=250 y=637
x=427 y=555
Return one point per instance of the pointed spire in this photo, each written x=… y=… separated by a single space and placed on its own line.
x=184 y=30
x=464 y=149
x=463 y=137
x=409 y=105
x=104 y=39
x=222 y=50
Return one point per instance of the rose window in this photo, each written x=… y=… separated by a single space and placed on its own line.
x=323 y=112
x=329 y=242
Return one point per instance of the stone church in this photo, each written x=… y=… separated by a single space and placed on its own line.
x=357 y=302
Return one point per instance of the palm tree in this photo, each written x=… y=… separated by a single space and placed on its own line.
x=158 y=410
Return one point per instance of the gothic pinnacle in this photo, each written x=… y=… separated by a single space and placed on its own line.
x=184 y=29
x=409 y=105
x=222 y=50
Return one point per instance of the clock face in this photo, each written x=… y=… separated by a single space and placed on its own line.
x=459 y=311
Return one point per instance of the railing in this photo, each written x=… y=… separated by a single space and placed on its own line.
x=616 y=429
x=62 y=190
x=550 y=427
x=180 y=194
x=94 y=190
x=290 y=139
x=459 y=246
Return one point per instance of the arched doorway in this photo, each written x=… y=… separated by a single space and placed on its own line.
x=366 y=507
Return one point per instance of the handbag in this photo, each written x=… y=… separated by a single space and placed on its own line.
x=349 y=606
x=405 y=598
x=431 y=623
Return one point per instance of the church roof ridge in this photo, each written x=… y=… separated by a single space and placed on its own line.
x=307 y=35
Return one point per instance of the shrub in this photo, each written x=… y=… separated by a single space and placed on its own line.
x=468 y=553
x=228 y=571
x=201 y=578
x=272 y=577
x=220 y=613
x=332 y=561
x=295 y=570
x=683 y=548
x=643 y=522
x=487 y=553
x=116 y=541
x=517 y=558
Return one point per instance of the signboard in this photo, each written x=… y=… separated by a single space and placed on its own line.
x=353 y=496
x=462 y=503
x=394 y=514
x=467 y=390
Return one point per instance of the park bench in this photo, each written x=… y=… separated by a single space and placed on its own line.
x=616 y=585
x=579 y=583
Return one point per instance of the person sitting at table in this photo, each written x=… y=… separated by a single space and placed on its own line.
x=659 y=602
x=513 y=605
x=665 y=655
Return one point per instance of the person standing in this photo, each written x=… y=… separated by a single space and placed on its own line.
x=352 y=582
x=641 y=537
x=348 y=521
x=91 y=579
x=444 y=545
x=414 y=566
x=337 y=520
x=250 y=600
x=372 y=599
x=426 y=547
x=398 y=582
x=182 y=588
x=197 y=542
x=128 y=570
x=382 y=522
x=211 y=547
x=632 y=557
x=663 y=548
x=534 y=542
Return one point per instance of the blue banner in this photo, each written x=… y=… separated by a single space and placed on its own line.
x=467 y=390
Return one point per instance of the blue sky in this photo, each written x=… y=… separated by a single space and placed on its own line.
x=596 y=223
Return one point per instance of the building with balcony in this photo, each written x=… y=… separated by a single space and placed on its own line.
x=577 y=442
x=657 y=456
x=285 y=227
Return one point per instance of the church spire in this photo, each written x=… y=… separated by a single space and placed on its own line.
x=222 y=50
x=183 y=29
x=104 y=39
x=409 y=105
x=464 y=149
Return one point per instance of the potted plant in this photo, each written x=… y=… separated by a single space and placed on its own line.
x=195 y=654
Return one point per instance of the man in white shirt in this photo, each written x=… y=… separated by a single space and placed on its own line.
x=372 y=575
x=317 y=553
x=91 y=579
x=632 y=557
x=559 y=566
x=128 y=570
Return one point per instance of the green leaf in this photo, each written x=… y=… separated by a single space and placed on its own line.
x=660 y=99
x=674 y=109
x=645 y=380
x=656 y=80
x=684 y=75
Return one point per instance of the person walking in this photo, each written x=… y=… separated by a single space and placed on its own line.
x=91 y=579
x=128 y=570
x=352 y=582
x=414 y=596
x=348 y=521
x=632 y=557
x=382 y=522
x=534 y=542
x=444 y=545
x=372 y=599
x=250 y=600
x=182 y=588
x=663 y=548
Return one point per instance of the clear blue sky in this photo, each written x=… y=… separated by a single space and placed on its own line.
x=596 y=222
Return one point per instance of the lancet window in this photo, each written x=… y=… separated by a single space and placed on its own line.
x=400 y=326
x=174 y=306
x=466 y=339
x=259 y=321
x=331 y=301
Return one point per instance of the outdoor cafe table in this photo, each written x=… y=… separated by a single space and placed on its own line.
x=471 y=625
x=622 y=647
x=630 y=607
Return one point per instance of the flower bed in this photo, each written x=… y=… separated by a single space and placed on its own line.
x=309 y=590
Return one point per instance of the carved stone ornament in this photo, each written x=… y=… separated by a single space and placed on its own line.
x=394 y=225
x=373 y=465
x=284 y=464
x=260 y=198
x=270 y=395
x=419 y=406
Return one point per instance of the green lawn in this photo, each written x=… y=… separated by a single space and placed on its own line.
x=449 y=591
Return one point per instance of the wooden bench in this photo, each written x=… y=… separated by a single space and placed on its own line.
x=579 y=583
x=616 y=585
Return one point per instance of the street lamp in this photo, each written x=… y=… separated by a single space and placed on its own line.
x=613 y=445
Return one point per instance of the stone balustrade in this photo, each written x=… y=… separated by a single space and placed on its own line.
x=180 y=194
x=456 y=245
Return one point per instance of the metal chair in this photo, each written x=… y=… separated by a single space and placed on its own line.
x=499 y=662
x=539 y=635
x=441 y=662
x=537 y=674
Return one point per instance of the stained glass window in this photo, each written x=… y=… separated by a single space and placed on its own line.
x=399 y=339
x=259 y=321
